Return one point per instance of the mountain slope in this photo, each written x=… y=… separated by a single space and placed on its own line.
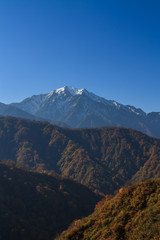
x=39 y=206
x=151 y=169
x=131 y=214
x=9 y=110
x=104 y=158
x=79 y=108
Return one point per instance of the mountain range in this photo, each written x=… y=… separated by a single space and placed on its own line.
x=104 y=159
x=78 y=108
x=51 y=176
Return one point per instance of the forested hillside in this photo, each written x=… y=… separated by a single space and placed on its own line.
x=103 y=158
x=39 y=206
x=134 y=213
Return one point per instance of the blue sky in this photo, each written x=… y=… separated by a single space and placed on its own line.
x=109 y=47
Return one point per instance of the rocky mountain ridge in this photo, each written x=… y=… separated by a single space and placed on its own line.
x=78 y=108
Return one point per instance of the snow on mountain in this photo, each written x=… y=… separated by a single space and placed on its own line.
x=73 y=91
x=62 y=99
x=81 y=108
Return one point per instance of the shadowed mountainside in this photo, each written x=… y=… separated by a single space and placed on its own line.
x=39 y=206
x=104 y=158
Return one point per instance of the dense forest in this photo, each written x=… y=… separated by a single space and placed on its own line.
x=41 y=165
x=39 y=206
x=104 y=158
x=134 y=213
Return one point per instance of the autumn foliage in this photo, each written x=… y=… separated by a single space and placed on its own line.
x=132 y=214
x=104 y=159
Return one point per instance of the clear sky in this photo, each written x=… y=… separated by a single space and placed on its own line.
x=109 y=47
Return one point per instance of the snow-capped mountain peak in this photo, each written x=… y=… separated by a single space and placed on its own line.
x=62 y=91
x=80 y=108
x=63 y=98
x=73 y=91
